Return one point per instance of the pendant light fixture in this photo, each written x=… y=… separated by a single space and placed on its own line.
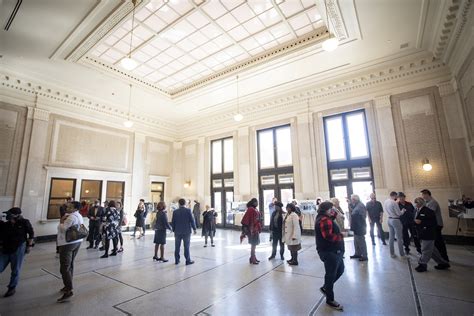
x=238 y=117
x=128 y=123
x=332 y=42
x=127 y=62
x=426 y=165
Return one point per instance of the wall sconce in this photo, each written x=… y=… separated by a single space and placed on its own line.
x=426 y=165
x=187 y=184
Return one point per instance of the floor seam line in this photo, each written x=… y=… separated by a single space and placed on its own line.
x=416 y=297
x=108 y=277
x=301 y=274
x=51 y=273
x=449 y=298
x=316 y=306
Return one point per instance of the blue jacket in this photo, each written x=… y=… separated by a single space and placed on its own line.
x=183 y=221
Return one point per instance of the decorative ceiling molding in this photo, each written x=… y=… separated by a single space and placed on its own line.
x=13 y=82
x=324 y=92
x=108 y=25
x=455 y=19
x=81 y=53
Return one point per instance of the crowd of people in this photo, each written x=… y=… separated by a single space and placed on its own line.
x=421 y=222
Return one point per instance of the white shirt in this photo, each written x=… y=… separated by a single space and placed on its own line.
x=391 y=208
x=73 y=219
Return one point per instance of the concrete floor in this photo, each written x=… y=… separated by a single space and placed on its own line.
x=222 y=282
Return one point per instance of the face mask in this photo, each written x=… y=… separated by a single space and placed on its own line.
x=332 y=213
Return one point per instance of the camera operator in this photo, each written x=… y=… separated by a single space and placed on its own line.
x=16 y=239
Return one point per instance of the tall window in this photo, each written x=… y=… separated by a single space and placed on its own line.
x=348 y=156
x=157 y=193
x=115 y=191
x=60 y=190
x=91 y=190
x=222 y=179
x=275 y=167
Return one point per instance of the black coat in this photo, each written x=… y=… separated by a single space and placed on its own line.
x=358 y=225
x=408 y=217
x=100 y=213
x=277 y=230
x=209 y=222
x=426 y=229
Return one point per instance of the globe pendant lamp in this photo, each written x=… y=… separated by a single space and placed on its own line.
x=127 y=62
x=332 y=42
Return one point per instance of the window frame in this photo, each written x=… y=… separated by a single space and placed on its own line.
x=73 y=194
x=100 y=188
x=123 y=190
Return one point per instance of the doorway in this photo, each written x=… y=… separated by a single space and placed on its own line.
x=157 y=193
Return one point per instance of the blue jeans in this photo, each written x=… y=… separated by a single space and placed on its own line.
x=334 y=266
x=15 y=260
x=186 y=238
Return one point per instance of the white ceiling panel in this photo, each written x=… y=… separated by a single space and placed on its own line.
x=178 y=41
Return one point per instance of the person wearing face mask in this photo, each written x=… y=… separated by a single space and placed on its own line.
x=95 y=214
x=359 y=227
x=408 y=222
x=330 y=247
x=426 y=223
x=292 y=233
x=276 y=228
x=16 y=239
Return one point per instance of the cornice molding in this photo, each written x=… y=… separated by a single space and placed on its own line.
x=317 y=94
x=64 y=98
x=455 y=19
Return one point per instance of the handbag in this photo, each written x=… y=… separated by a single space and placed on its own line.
x=76 y=232
x=124 y=220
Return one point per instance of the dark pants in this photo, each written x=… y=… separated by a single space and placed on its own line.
x=15 y=260
x=209 y=233
x=186 y=238
x=120 y=238
x=277 y=239
x=408 y=233
x=107 y=245
x=439 y=243
x=380 y=231
x=67 y=254
x=196 y=219
x=94 y=233
x=334 y=266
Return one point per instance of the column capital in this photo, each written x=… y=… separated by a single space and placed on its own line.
x=40 y=114
x=177 y=145
x=447 y=87
x=243 y=131
x=382 y=101
x=303 y=118
x=201 y=140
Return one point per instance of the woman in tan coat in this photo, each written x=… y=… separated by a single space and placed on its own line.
x=292 y=233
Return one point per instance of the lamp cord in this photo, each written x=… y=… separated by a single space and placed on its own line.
x=238 y=103
x=129 y=102
x=131 y=32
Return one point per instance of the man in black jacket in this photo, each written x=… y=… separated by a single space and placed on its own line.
x=95 y=215
x=426 y=225
x=375 y=212
x=330 y=247
x=276 y=230
x=16 y=239
x=408 y=222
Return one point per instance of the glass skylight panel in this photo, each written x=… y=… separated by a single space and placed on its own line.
x=222 y=57
x=140 y=56
x=285 y=38
x=145 y=70
x=179 y=76
x=198 y=54
x=120 y=32
x=256 y=51
x=270 y=45
x=227 y=22
x=214 y=8
x=210 y=48
x=185 y=27
x=197 y=19
x=167 y=70
x=142 y=32
x=108 y=59
x=142 y=14
x=149 y=49
x=249 y=44
x=222 y=41
x=167 y=15
x=279 y=30
x=173 y=35
x=264 y=37
x=111 y=40
x=181 y=6
x=175 y=64
x=164 y=58
x=290 y=8
x=174 y=52
x=243 y=13
x=228 y=62
x=155 y=76
x=299 y=21
x=168 y=82
x=186 y=45
x=305 y=30
x=254 y=25
x=198 y=67
x=258 y=6
x=211 y=31
x=186 y=60
x=155 y=63
x=198 y=38
x=160 y=43
x=206 y=72
x=307 y=3
x=238 y=33
x=231 y=4
x=270 y=17
x=242 y=56
x=234 y=51
x=101 y=48
x=155 y=23
x=313 y=14
x=210 y=62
